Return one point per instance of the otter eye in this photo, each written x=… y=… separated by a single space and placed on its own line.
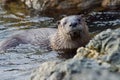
x=64 y=23
x=58 y=22
x=79 y=20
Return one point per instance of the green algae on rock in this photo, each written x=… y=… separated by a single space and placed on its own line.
x=105 y=47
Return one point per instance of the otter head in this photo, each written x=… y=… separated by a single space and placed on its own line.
x=72 y=27
x=72 y=33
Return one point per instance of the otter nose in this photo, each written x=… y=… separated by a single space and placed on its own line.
x=73 y=24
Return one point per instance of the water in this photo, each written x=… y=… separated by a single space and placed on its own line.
x=103 y=20
x=17 y=63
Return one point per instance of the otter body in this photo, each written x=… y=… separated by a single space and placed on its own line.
x=39 y=37
x=72 y=33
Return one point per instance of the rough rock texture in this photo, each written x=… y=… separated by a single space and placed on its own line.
x=65 y=4
x=111 y=3
x=56 y=8
x=73 y=69
x=105 y=46
x=62 y=6
x=57 y=4
x=68 y=6
x=85 y=52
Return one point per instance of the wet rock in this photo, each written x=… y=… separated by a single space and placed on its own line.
x=105 y=46
x=92 y=54
x=73 y=69
x=71 y=6
x=35 y=4
x=55 y=7
x=7 y=1
x=68 y=6
x=85 y=52
x=14 y=7
x=111 y=3
x=44 y=71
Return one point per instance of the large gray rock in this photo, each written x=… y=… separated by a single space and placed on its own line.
x=105 y=47
x=73 y=69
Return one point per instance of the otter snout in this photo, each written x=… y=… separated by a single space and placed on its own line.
x=73 y=24
x=75 y=27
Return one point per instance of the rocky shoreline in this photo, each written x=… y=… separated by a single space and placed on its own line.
x=57 y=7
x=65 y=6
x=99 y=60
x=105 y=13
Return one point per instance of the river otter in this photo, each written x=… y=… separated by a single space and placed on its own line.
x=72 y=33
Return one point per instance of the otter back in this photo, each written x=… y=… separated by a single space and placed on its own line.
x=39 y=37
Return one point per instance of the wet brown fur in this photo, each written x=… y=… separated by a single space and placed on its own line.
x=63 y=43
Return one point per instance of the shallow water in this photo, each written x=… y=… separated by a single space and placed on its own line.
x=17 y=63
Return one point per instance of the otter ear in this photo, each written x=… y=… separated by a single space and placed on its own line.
x=58 y=22
x=83 y=17
x=63 y=16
